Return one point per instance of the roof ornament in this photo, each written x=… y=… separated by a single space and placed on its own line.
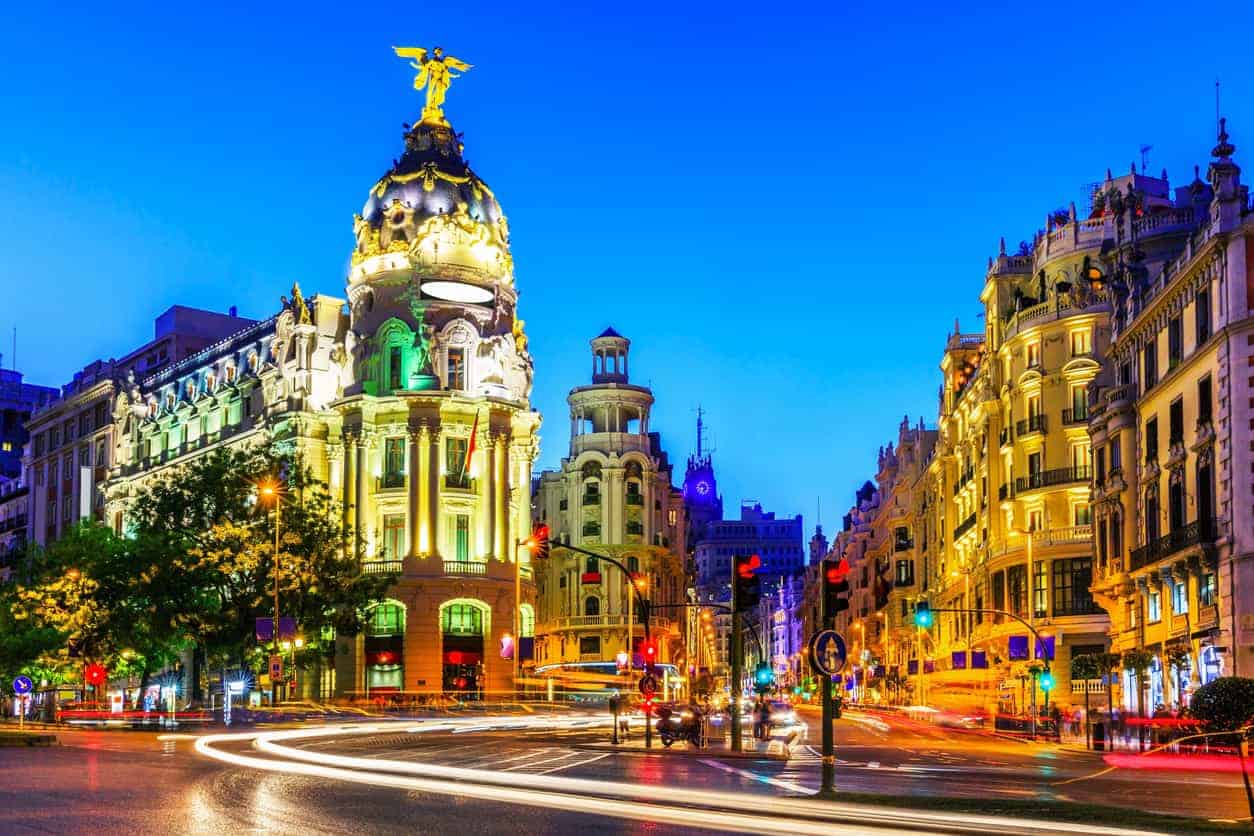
x=1224 y=149
x=434 y=75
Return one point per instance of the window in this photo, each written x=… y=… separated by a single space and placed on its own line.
x=999 y=592
x=1116 y=456
x=455 y=463
x=1201 y=314
x=84 y=456
x=461 y=537
x=1149 y=365
x=1099 y=470
x=633 y=564
x=394 y=536
x=1040 y=589
x=526 y=621
x=394 y=368
x=590 y=646
x=1101 y=543
x=1154 y=607
x=102 y=414
x=1033 y=354
x=1081 y=342
x=1082 y=514
x=1034 y=406
x=1151 y=516
x=456 y=376
x=67 y=468
x=67 y=508
x=1204 y=401
x=83 y=426
x=230 y=373
x=1175 y=501
x=394 y=463
x=102 y=459
x=1072 y=578
x=1151 y=439
x=1207 y=590
x=1116 y=536
x=1175 y=342
x=592 y=605
x=463 y=620
x=386 y=620
x=1017 y=589
x=1177 y=422
x=592 y=567
x=1180 y=598
x=905 y=573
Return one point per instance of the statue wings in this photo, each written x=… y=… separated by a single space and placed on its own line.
x=418 y=53
x=456 y=63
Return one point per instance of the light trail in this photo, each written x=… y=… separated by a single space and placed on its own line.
x=702 y=808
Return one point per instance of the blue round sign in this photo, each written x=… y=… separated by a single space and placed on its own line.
x=827 y=652
x=22 y=685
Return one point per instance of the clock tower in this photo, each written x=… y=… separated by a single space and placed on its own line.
x=701 y=497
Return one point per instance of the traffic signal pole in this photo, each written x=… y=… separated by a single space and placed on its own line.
x=737 y=664
x=828 y=788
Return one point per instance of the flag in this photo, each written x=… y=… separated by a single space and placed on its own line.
x=470 y=448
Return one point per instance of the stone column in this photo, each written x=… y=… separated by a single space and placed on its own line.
x=432 y=506
x=362 y=462
x=348 y=478
x=414 y=483
x=487 y=500
x=504 y=546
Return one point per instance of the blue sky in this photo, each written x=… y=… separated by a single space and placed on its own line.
x=785 y=206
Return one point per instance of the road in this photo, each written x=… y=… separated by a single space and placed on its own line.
x=137 y=782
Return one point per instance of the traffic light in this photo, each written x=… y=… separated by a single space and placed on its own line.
x=1047 y=681
x=835 y=586
x=763 y=678
x=748 y=586
x=922 y=614
x=650 y=654
x=538 y=542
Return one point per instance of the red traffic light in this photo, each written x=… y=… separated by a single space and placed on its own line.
x=650 y=649
x=837 y=572
x=95 y=674
x=747 y=567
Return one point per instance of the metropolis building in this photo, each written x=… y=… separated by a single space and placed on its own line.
x=409 y=398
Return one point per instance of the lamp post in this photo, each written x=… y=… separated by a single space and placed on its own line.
x=272 y=491
x=1031 y=582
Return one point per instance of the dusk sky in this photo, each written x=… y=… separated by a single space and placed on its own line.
x=784 y=206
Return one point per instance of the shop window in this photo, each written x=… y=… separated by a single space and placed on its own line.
x=386 y=620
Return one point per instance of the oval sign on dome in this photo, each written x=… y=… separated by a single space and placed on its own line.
x=457 y=292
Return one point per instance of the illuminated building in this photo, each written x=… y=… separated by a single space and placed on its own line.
x=409 y=398
x=612 y=495
x=1171 y=425
x=702 y=501
x=17 y=401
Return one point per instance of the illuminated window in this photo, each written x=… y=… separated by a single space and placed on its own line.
x=394 y=536
x=386 y=620
x=463 y=620
x=252 y=361
x=7 y=446
x=456 y=375
x=1033 y=354
x=527 y=621
x=394 y=368
x=1081 y=342
x=230 y=374
x=461 y=537
x=1154 y=607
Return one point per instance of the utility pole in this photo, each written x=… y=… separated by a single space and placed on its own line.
x=825 y=692
x=736 y=663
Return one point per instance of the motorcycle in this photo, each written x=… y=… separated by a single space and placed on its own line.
x=684 y=724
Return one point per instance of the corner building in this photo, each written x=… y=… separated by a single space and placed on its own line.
x=409 y=398
x=613 y=495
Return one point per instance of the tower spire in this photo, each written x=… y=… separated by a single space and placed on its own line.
x=700 y=426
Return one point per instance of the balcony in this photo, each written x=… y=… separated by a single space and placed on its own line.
x=635 y=499
x=592 y=499
x=1050 y=478
x=1003 y=493
x=1006 y=436
x=465 y=567
x=1032 y=424
x=591 y=529
x=390 y=481
x=380 y=567
x=1198 y=532
x=1063 y=535
x=903 y=545
x=1076 y=415
x=596 y=622
x=965 y=526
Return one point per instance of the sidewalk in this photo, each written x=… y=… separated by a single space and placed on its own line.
x=775 y=750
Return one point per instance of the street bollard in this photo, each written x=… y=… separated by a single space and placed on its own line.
x=614 y=707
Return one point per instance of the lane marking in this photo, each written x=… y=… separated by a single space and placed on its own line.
x=573 y=765
x=758 y=777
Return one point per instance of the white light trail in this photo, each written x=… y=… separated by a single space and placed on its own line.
x=725 y=810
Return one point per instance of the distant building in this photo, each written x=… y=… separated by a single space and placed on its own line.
x=17 y=401
x=14 y=500
x=702 y=501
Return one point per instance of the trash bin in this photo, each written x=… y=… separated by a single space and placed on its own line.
x=1099 y=737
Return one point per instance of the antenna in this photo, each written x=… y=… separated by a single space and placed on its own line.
x=1216 y=106
x=700 y=427
x=1145 y=149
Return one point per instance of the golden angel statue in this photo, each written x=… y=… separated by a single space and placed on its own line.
x=434 y=74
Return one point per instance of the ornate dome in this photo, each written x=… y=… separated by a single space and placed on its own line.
x=431 y=213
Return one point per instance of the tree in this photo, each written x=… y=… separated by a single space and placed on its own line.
x=1085 y=667
x=1224 y=704
x=207 y=549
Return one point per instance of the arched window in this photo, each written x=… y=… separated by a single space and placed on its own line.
x=633 y=564
x=386 y=619
x=526 y=621
x=592 y=566
x=592 y=605
x=252 y=361
x=463 y=620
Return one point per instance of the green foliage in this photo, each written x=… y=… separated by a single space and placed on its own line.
x=196 y=569
x=1137 y=660
x=1224 y=704
x=1087 y=666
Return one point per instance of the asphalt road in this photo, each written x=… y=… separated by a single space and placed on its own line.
x=107 y=782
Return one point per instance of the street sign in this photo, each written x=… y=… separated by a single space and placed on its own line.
x=827 y=652
x=22 y=685
x=276 y=668
x=648 y=684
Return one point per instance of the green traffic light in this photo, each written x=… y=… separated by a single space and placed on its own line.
x=923 y=615
x=1047 y=681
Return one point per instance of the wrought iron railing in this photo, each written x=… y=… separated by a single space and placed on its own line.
x=1195 y=533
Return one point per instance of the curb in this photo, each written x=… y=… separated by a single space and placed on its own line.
x=24 y=739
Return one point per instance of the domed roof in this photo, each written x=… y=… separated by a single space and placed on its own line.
x=431 y=178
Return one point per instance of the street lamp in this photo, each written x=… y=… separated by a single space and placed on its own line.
x=274 y=491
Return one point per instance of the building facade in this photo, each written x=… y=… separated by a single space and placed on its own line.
x=612 y=495
x=17 y=401
x=409 y=397
x=1171 y=425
